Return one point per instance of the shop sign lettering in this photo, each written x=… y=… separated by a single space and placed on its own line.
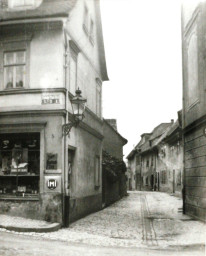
x=50 y=99
x=52 y=184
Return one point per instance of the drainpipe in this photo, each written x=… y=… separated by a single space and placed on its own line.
x=183 y=111
x=140 y=187
x=65 y=137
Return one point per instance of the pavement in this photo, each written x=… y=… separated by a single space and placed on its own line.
x=19 y=224
x=141 y=220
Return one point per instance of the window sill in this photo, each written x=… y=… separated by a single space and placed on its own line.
x=19 y=198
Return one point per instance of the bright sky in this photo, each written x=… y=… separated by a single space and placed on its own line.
x=143 y=53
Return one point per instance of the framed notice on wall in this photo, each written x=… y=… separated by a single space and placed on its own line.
x=51 y=161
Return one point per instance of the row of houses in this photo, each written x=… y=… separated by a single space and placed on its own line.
x=173 y=156
x=155 y=163
x=52 y=62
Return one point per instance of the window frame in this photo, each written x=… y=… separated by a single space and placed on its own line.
x=91 y=32
x=14 y=44
x=14 y=65
x=26 y=154
x=86 y=20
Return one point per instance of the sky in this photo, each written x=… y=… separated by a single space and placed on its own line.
x=143 y=53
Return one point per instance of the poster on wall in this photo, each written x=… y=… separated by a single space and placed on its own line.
x=51 y=161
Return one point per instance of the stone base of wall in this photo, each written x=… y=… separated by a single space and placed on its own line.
x=48 y=208
x=195 y=212
x=80 y=207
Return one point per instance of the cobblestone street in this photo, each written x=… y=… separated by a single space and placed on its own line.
x=141 y=220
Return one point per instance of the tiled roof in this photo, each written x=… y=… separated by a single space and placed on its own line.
x=48 y=8
x=156 y=135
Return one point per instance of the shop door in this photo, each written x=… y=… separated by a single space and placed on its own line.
x=68 y=185
x=152 y=181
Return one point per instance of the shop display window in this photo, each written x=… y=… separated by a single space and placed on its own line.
x=19 y=164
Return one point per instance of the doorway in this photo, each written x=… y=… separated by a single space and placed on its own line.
x=68 y=185
x=173 y=181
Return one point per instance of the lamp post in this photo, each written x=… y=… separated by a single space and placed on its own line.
x=78 y=108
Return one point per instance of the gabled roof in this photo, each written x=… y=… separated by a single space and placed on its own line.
x=115 y=131
x=157 y=132
x=48 y=8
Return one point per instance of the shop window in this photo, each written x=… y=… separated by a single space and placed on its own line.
x=19 y=164
x=97 y=172
x=14 y=69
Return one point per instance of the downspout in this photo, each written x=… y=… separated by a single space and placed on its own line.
x=65 y=121
x=183 y=112
x=140 y=187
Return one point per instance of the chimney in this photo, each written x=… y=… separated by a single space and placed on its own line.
x=113 y=123
x=172 y=121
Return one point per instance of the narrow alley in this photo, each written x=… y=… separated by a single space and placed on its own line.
x=142 y=220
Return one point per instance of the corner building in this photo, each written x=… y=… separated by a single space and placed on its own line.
x=48 y=49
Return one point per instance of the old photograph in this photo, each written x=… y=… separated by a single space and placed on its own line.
x=102 y=127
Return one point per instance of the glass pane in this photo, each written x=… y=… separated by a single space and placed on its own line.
x=8 y=76
x=8 y=58
x=20 y=75
x=20 y=57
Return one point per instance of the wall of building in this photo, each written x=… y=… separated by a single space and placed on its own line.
x=88 y=58
x=194 y=109
x=170 y=161
x=113 y=144
x=148 y=170
x=131 y=174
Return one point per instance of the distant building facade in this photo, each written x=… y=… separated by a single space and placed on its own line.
x=160 y=154
x=194 y=107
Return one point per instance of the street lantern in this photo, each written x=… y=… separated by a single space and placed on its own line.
x=78 y=107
